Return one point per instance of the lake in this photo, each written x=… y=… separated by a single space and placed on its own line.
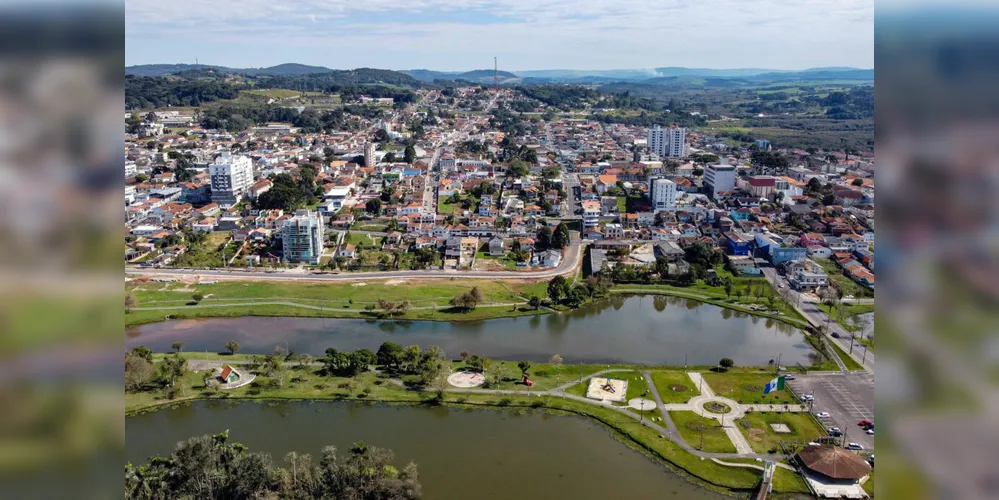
x=647 y=330
x=460 y=453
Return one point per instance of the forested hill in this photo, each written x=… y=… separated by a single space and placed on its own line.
x=174 y=69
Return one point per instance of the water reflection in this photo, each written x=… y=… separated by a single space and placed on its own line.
x=649 y=330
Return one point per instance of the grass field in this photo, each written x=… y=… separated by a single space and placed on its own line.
x=714 y=438
x=273 y=93
x=746 y=388
x=666 y=380
x=762 y=437
x=236 y=298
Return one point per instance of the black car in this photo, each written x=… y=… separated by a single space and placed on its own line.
x=835 y=335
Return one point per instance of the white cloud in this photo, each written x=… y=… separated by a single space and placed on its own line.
x=536 y=33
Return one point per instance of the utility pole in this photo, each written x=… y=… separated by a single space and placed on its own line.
x=495 y=72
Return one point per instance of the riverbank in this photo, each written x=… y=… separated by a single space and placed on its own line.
x=427 y=301
x=552 y=386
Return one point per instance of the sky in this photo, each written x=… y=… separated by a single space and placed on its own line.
x=460 y=35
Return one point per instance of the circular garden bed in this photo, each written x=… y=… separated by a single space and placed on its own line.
x=716 y=407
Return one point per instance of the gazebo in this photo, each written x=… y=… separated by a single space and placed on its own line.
x=833 y=471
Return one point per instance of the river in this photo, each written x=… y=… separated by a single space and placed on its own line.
x=460 y=453
x=648 y=330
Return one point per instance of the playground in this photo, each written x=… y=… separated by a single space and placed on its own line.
x=466 y=379
x=607 y=389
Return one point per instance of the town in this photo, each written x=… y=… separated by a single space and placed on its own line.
x=456 y=181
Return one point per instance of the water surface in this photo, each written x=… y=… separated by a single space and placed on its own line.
x=651 y=330
x=460 y=453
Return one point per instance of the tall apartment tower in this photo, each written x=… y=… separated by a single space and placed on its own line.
x=230 y=177
x=662 y=194
x=668 y=142
x=369 y=154
x=302 y=237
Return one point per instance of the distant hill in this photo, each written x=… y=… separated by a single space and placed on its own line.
x=477 y=76
x=287 y=69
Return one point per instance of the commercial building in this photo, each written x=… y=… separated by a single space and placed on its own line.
x=230 y=177
x=718 y=178
x=302 y=237
x=662 y=194
x=668 y=142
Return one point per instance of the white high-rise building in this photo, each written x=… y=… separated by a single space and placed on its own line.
x=719 y=178
x=369 y=154
x=302 y=237
x=668 y=142
x=231 y=176
x=662 y=194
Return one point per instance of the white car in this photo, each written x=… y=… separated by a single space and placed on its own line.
x=807 y=397
x=822 y=414
x=870 y=432
x=854 y=446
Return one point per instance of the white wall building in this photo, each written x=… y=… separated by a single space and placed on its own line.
x=662 y=194
x=668 y=142
x=231 y=176
x=591 y=213
x=130 y=169
x=302 y=237
x=719 y=178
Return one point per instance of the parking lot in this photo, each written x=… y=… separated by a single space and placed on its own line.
x=848 y=398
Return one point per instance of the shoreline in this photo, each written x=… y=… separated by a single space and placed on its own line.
x=294 y=310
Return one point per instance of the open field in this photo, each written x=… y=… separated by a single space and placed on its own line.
x=713 y=437
x=747 y=388
x=668 y=383
x=842 y=282
x=762 y=437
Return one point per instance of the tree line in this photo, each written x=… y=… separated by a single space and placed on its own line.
x=144 y=92
x=212 y=467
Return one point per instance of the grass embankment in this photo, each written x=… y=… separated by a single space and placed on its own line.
x=304 y=382
x=848 y=361
x=842 y=282
x=756 y=427
x=674 y=386
x=428 y=300
x=702 y=433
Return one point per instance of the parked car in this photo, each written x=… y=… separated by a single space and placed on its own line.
x=865 y=423
x=854 y=446
x=870 y=432
x=788 y=377
x=822 y=414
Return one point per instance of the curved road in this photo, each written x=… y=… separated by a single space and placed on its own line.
x=568 y=264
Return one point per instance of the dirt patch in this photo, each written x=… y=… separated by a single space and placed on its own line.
x=696 y=426
x=757 y=434
x=395 y=282
x=678 y=388
x=358 y=284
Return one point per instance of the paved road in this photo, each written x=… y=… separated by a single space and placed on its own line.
x=569 y=264
x=819 y=318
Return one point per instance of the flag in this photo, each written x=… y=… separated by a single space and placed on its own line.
x=776 y=384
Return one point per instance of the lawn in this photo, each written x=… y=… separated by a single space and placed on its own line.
x=544 y=375
x=234 y=298
x=274 y=93
x=447 y=208
x=665 y=383
x=714 y=438
x=363 y=241
x=846 y=314
x=756 y=427
x=847 y=360
x=622 y=204
x=746 y=388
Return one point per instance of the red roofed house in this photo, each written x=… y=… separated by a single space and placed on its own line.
x=809 y=239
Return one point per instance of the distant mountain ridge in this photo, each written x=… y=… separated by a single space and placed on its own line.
x=287 y=69
x=477 y=75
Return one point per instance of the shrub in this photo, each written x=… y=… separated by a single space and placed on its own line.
x=505 y=401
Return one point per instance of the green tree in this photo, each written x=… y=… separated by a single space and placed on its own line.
x=373 y=206
x=728 y=287
x=544 y=238
x=726 y=363
x=524 y=367
x=389 y=354
x=178 y=346
x=232 y=346
x=198 y=297
x=143 y=352
x=140 y=178
x=130 y=302
x=858 y=182
x=409 y=155
x=518 y=168
x=534 y=301
x=560 y=238
x=558 y=289
x=172 y=368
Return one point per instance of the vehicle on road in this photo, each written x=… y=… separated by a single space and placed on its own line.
x=807 y=397
x=854 y=446
x=822 y=414
x=835 y=432
x=788 y=377
x=780 y=285
x=835 y=335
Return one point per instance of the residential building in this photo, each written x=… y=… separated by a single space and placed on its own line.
x=743 y=265
x=806 y=275
x=369 y=154
x=668 y=142
x=230 y=178
x=302 y=237
x=591 y=213
x=718 y=178
x=130 y=169
x=662 y=194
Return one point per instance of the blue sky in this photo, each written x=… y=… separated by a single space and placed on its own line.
x=524 y=34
